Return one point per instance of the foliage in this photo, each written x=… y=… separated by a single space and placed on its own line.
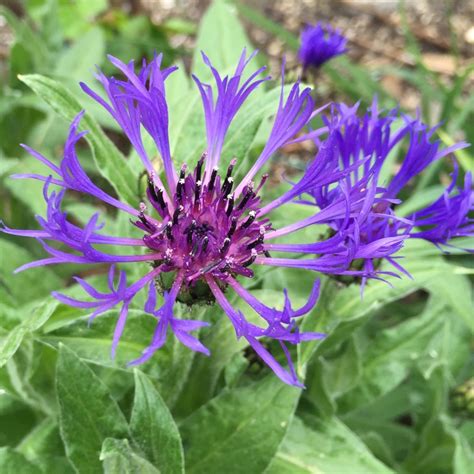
x=379 y=389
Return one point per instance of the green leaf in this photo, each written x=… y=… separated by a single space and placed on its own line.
x=20 y=62
x=88 y=414
x=16 y=418
x=40 y=439
x=463 y=455
x=170 y=365
x=12 y=462
x=457 y=292
x=223 y=345
x=109 y=160
x=317 y=391
x=390 y=356
x=78 y=62
x=465 y=159
x=372 y=424
x=449 y=348
x=340 y=316
x=436 y=447
x=255 y=112
x=6 y=165
x=154 y=429
x=43 y=445
x=76 y=17
x=119 y=458
x=420 y=199
x=252 y=420
x=27 y=286
x=340 y=374
x=205 y=372
x=10 y=344
x=327 y=447
x=222 y=37
x=29 y=194
x=174 y=376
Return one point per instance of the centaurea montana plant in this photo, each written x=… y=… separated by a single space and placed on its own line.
x=319 y=43
x=201 y=231
x=377 y=232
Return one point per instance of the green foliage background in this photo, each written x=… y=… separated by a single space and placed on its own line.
x=387 y=391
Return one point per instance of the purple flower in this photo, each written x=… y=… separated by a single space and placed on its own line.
x=199 y=230
x=320 y=43
x=450 y=216
x=362 y=146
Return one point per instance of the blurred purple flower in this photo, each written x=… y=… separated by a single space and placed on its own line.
x=319 y=43
x=196 y=226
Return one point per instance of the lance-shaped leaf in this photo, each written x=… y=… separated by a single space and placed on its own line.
x=118 y=457
x=239 y=430
x=154 y=429
x=88 y=414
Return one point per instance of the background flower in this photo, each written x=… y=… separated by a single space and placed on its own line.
x=320 y=43
x=363 y=146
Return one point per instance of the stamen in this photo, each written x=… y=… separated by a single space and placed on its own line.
x=197 y=191
x=262 y=182
x=161 y=200
x=143 y=219
x=209 y=267
x=230 y=205
x=152 y=189
x=230 y=169
x=225 y=245
x=204 y=207
x=199 y=166
x=233 y=226
x=212 y=181
x=176 y=214
x=248 y=195
x=195 y=249
x=205 y=242
x=189 y=231
x=179 y=189
x=190 y=227
x=228 y=263
x=256 y=242
x=252 y=259
x=182 y=172
x=250 y=219
x=169 y=233
x=227 y=186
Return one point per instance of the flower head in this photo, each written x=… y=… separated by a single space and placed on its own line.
x=199 y=229
x=319 y=43
x=364 y=146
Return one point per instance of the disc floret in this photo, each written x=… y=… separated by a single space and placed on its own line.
x=205 y=230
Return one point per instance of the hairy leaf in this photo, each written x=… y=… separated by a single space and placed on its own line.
x=154 y=429
x=88 y=414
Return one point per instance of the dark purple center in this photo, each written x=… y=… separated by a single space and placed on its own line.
x=204 y=229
